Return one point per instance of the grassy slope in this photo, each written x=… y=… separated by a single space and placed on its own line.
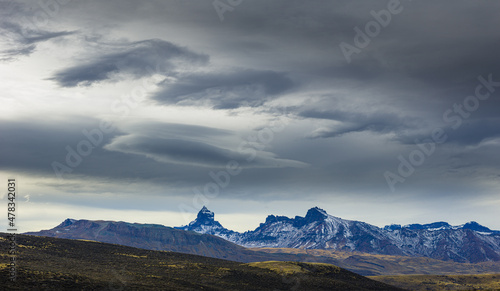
x=449 y=282
x=373 y=265
x=63 y=264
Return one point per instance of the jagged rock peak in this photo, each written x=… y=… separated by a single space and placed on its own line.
x=316 y=214
x=205 y=215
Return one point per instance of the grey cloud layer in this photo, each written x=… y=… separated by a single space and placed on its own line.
x=194 y=146
x=378 y=122
x=225 y=90
x=165 y=153
x=33 y=146
x=371 y=110
x=140 y=59
x=23 y=41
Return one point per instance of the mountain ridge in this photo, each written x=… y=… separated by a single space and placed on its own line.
x=149 y=236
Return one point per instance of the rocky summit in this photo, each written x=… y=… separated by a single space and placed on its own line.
x=205 y=223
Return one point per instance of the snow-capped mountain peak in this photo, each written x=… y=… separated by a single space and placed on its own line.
x=205 y=223
x=205 y=217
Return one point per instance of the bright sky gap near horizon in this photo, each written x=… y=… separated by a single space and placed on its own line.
x=319 y=103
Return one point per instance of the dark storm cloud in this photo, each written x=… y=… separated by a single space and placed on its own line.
x=225 y=90
x=141 y=58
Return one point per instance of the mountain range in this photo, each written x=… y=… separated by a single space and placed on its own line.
x=317 y=230
x=162 y=238
x=467 y=243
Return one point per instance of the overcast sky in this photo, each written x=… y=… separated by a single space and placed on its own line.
x=143 y=111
